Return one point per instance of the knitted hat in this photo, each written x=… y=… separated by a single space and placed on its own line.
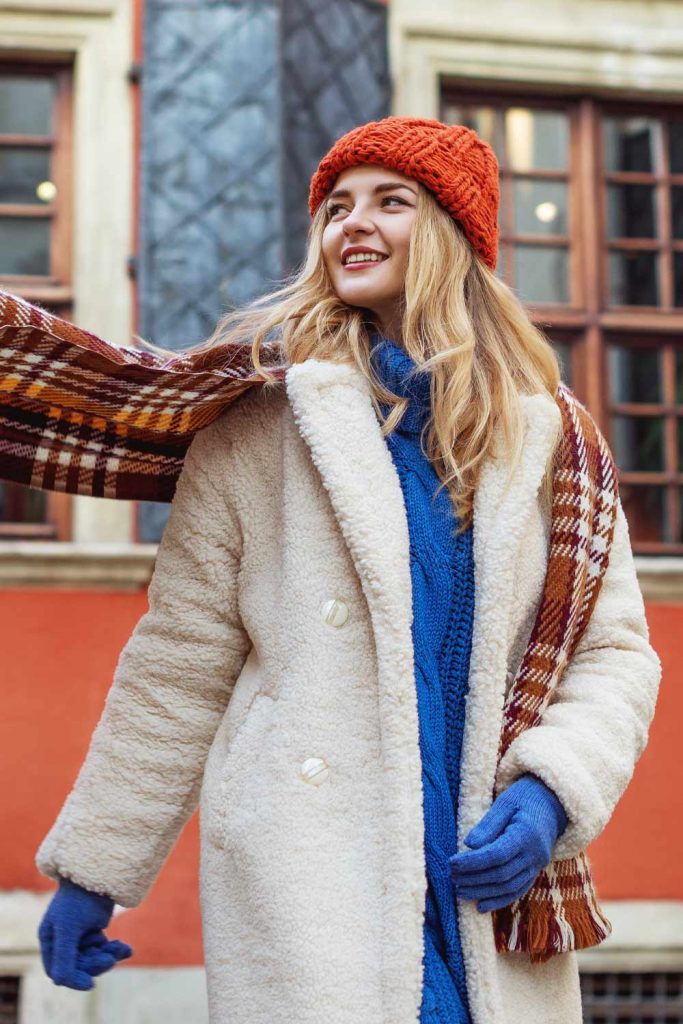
x=450 y=160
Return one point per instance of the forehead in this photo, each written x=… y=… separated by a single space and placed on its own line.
x=368 y=175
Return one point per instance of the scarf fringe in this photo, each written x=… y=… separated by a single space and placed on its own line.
x=560 y=913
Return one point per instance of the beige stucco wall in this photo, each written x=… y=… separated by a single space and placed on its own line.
x=602 y=45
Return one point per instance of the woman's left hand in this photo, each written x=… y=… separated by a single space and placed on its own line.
x=510 y=845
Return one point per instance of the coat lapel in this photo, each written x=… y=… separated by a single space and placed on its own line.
x=332 y=407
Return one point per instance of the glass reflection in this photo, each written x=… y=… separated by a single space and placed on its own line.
x=631 y=211
x=26 y=105
x=537 y=139
x=21 y=173
x=540 y=207
x=633 y=278
x=630 y=143
x=541 y=273
x=634 y=374
x=638 y=443
x=645 y=508
x=24 y=245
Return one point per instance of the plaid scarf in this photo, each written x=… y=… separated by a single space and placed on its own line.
x=81 y=415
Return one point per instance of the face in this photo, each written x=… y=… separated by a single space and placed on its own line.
x=370 y=208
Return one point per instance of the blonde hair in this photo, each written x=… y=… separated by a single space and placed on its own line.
x=460 y=323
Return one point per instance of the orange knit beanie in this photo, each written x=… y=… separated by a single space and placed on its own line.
x=450 y=160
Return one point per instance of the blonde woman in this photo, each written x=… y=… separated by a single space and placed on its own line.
x=342 y=597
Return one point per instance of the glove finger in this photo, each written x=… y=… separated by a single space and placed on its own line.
x=499 y=852
x=65 y=953
x=493 y=823
x=496 y=903
x=118 y=949
x=492 y=876
x=520 y=883
x=46 y=945
x=92 y=939
x=95 y=962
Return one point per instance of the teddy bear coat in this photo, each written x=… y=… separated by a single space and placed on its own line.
x=270 y=684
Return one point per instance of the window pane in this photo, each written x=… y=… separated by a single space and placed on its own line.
x=24 y=245
x=633 y=279
x=645 y=509
x=677 y=212
x=676 y=147
x=19 y=504
x=564 y=354
x=634 y=374
x=541 y=273
x=481 y=119
x=630 y=143
x=540 y=207
x=26 y=105
x=537 y=139
x=678 y=279
x=638 y=442
x=21 y=172
x=631 y=211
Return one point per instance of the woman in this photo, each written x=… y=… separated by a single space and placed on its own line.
x=338 y=611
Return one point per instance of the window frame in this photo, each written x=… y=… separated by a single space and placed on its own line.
x=53 y=290
x=587 y=323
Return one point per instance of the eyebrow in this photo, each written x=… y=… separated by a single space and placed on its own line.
x=385 y=186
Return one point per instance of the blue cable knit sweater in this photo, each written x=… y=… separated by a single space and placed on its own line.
x=442 y=574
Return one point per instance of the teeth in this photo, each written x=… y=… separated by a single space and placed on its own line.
x=363 y=257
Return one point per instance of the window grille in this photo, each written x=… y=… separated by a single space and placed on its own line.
x=620 y=997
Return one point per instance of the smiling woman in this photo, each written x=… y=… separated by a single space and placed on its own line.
x=395 y=650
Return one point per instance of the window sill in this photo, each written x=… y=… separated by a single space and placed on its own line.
x=660 y=578
x=55 y=564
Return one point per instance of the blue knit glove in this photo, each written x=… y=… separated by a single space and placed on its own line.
x=510 y=845
x=73 y=946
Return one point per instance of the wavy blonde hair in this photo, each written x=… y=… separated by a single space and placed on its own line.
x=460 y=323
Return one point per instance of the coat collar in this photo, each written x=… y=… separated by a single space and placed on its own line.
x=332 y=407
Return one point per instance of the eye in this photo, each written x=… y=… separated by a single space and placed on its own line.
x=335 y=206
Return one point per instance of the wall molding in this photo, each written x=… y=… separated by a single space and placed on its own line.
x=55 y=565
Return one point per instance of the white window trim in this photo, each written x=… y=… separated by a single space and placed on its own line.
x=98 y=34
x=647 y=935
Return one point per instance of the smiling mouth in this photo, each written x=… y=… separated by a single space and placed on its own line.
x=364 y=263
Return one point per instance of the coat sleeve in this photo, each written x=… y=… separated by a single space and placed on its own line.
x=141 y=778
x=596 y=726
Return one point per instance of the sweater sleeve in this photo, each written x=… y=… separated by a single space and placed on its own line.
x=596 y=726
x=141 y=778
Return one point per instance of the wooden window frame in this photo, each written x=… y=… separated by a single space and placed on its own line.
x=587 y=322
x=53 y=290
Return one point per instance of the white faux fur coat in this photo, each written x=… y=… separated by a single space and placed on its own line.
x=271 y=682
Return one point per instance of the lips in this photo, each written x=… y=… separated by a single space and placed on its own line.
x=364 y=263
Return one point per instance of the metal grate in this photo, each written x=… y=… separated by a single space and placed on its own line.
x=9 y=999
x=652 y=997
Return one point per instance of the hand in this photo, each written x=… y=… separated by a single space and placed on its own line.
x=510 y=845
x=73 y=946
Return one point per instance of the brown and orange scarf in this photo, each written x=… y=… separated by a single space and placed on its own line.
x=80 y=415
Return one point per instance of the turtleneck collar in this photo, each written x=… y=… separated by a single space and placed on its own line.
x=392 y=364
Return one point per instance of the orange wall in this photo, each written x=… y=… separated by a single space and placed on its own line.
x=59 y=651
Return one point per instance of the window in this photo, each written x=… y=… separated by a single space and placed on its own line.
x=591 y=240
x=9 y=999
x=624 y=996
x=35 y=239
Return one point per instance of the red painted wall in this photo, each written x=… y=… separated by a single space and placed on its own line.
x=60 y=649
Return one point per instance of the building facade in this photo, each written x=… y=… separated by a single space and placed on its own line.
x=154 y=164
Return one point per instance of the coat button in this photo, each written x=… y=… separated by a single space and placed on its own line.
x=315 y=770
x=335 y=612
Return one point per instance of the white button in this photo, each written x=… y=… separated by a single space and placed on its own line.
x=335 y=613
x=315 y=771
